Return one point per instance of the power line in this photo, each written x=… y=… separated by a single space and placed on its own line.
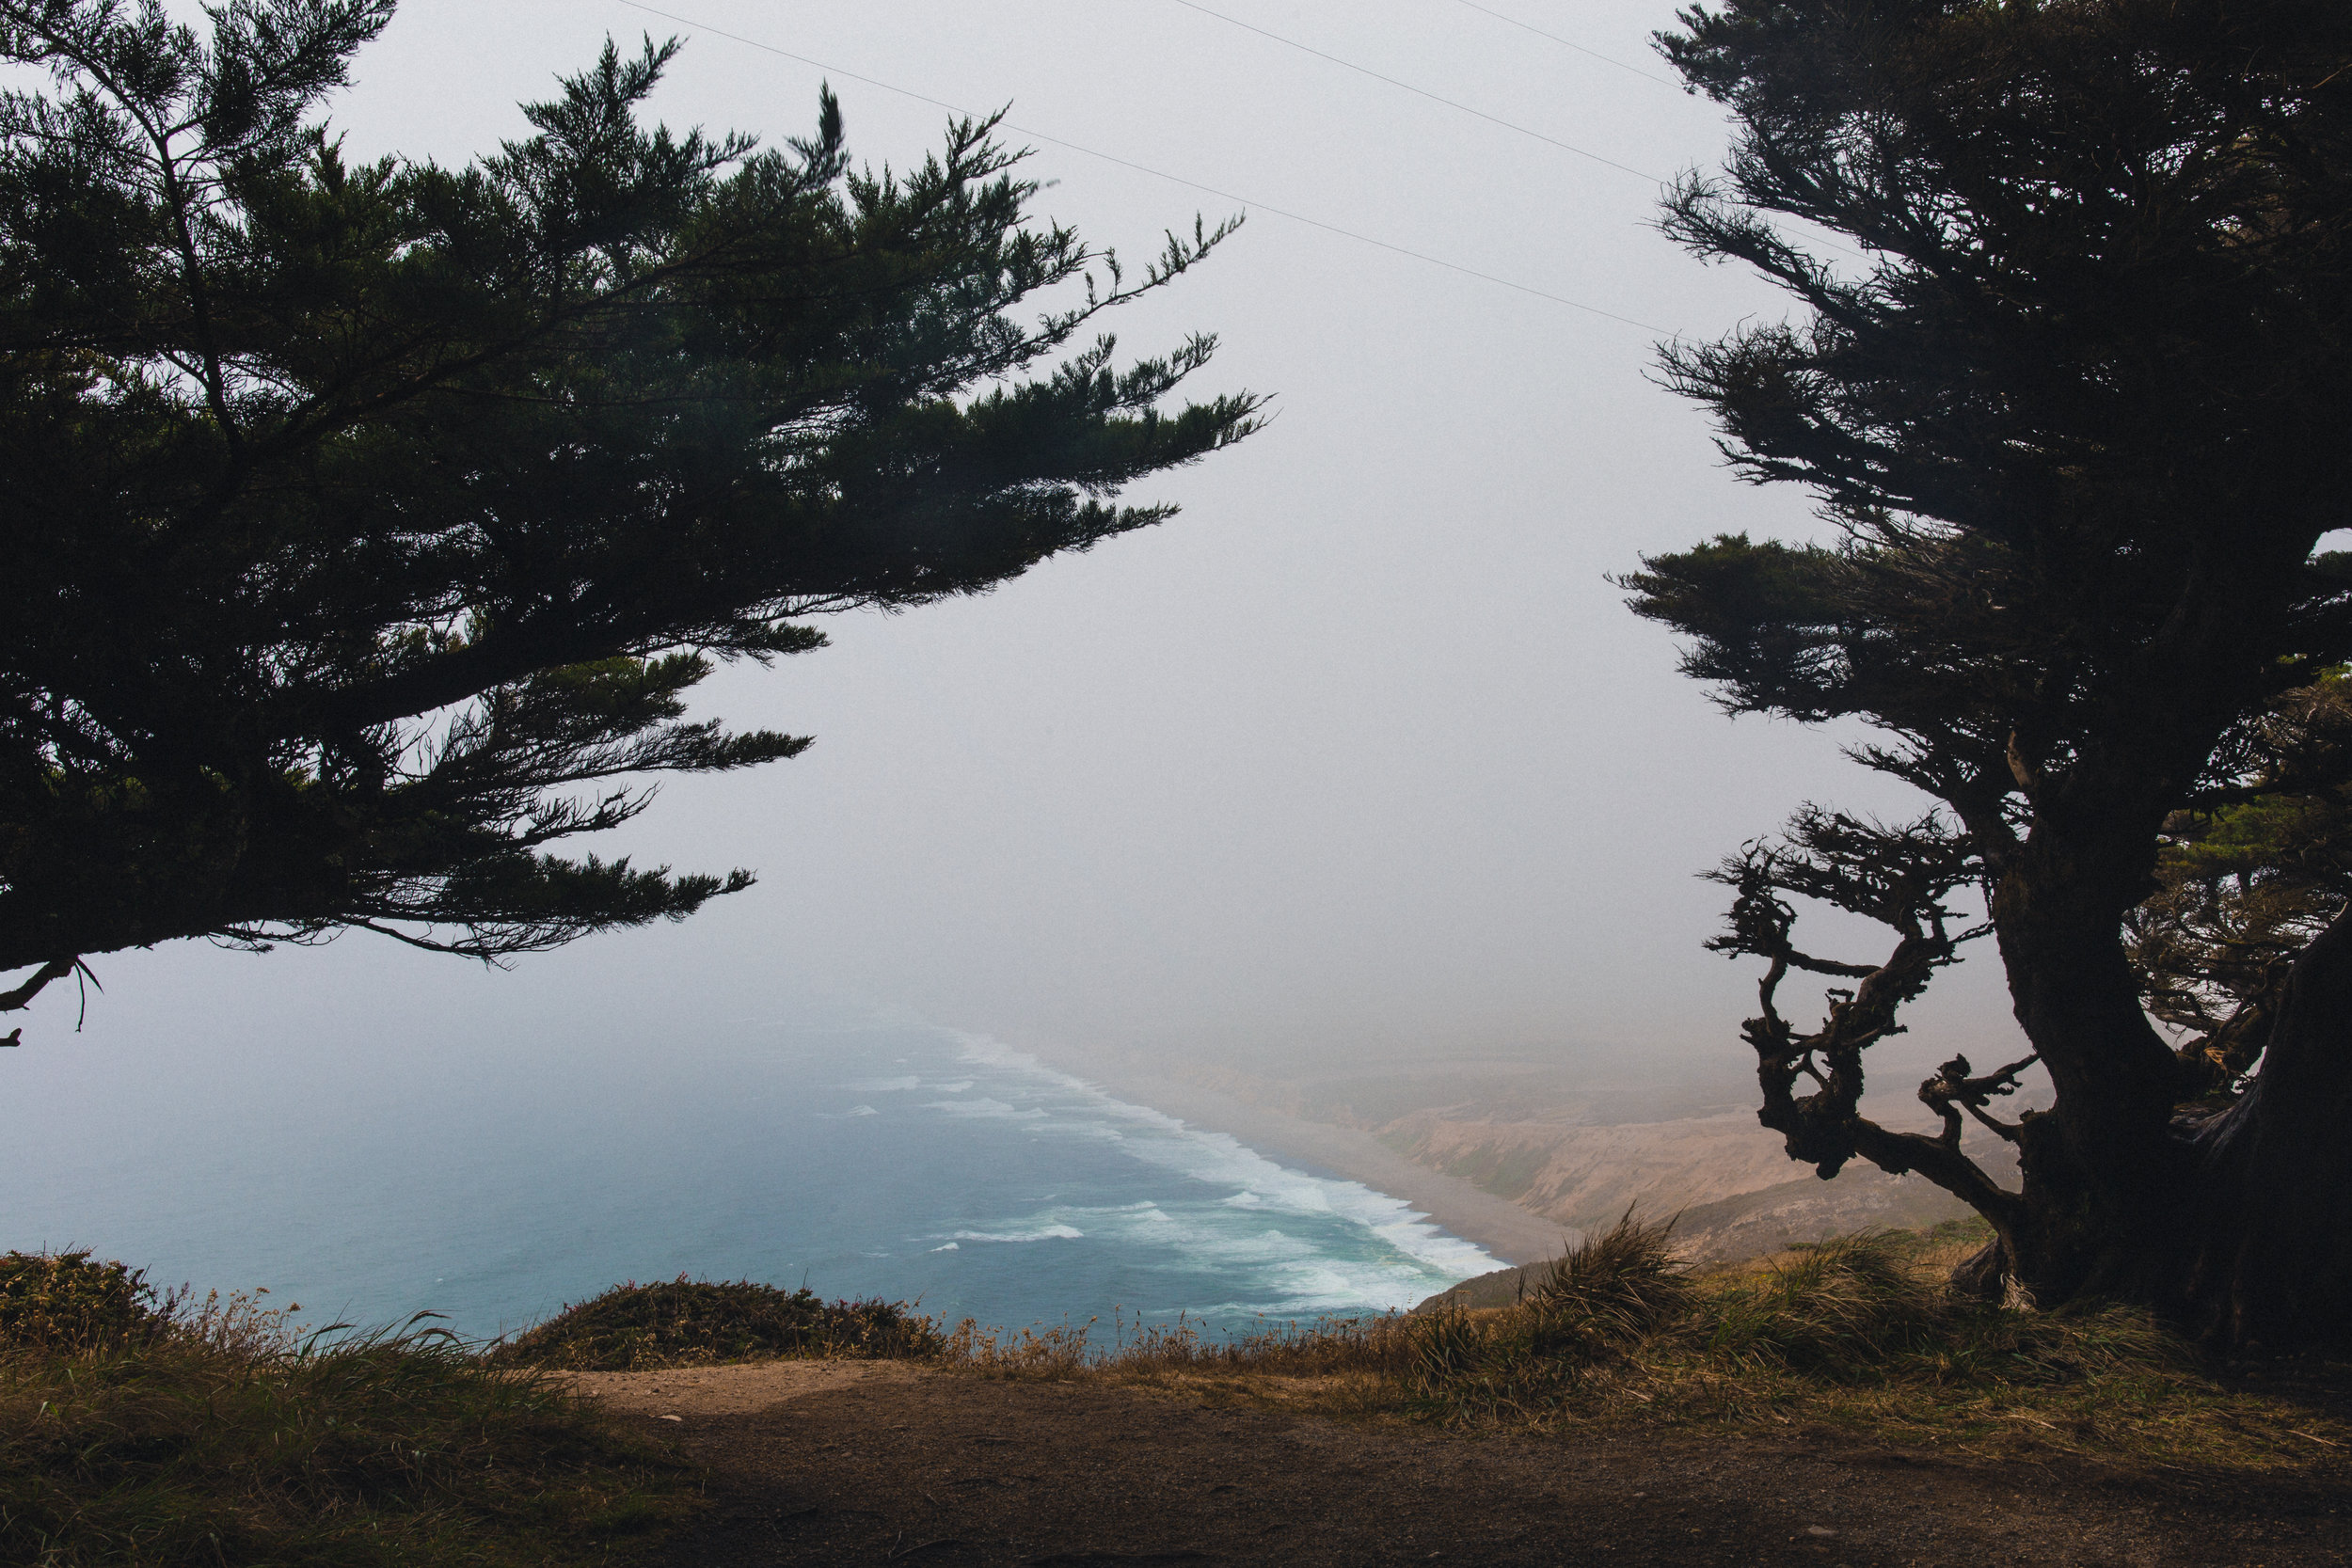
x=1420 y=92
x=1156 y=174
x=1568 y=43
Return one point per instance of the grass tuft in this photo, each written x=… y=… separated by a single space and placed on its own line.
x=1140 y=1352
x=1846 y=1303
x=1603 y=1296
x=1618 y=1284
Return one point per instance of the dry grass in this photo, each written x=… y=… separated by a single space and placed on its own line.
x=134 y=1431
x=1857 y=1335
x=139 y=1431
x=1140 y=1352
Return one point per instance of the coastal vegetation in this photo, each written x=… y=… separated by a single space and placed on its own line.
x=165 y=1430
x=377 y=518
x=389 y=514
x=159 y=1430
x=1859 y=1334
x=683 y=1321
x=2071 y=391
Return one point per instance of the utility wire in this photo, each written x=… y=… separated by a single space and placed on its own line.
x=1157 y=174
x=1827 y=244
x=1567 y=43
x=1422 y=92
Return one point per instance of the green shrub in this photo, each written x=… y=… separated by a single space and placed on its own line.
x=691 y=1322
x=68 y=1303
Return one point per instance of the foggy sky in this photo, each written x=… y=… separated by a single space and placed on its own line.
x=1360 y=756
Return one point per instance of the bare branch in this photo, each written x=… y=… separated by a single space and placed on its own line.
x=1953 y=1089
x=1900 y=877
x=56 y=968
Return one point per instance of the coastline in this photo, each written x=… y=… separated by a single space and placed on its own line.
x=1511 y=1233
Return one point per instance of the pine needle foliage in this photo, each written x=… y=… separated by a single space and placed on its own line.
x=370 y=523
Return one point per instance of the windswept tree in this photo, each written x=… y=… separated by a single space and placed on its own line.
x=369 y=522
x=2076 y=416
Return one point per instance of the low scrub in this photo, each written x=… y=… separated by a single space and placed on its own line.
x=1859 y=1333
x=685 y=1323
x=1852 y=1305
x=69 y=1303
x=163 y=1431
x=1867 y=1309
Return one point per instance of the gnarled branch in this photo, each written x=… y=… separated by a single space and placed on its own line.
x=1953 y=1089
x=1900 y=877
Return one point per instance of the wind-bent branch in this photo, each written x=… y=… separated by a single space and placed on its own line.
x=1901 y=877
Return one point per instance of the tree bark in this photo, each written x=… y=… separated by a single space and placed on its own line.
x=2101 y=1169
x=2237 y=1224
x=2269 y=1260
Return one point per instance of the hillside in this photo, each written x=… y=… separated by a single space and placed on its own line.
x=1539 y=1136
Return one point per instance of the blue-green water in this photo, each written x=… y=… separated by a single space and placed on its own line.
x=905 y=1162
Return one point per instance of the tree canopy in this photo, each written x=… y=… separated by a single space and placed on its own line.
x=372 y=520
x=2073 y=409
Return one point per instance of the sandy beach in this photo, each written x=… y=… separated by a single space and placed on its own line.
x=1503 y=1228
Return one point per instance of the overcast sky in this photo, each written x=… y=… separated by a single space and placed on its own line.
x=1360 y=756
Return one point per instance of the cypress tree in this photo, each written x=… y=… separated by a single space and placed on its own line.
x=369 y=523
x=2075 y=409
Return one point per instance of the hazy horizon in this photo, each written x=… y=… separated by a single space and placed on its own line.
x=1359 y=758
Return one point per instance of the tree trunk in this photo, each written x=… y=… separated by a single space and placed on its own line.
x=2237 y=1224
x=2102 y=1172
x=2269 y=1233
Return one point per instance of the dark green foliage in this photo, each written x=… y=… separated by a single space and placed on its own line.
x=370 y=523
x=698 y=1323
x=2247 y=882
x=224 y=1442
x=2072 y=403
x=68 y=1303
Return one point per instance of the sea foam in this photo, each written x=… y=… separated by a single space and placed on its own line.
x=1297 y=1243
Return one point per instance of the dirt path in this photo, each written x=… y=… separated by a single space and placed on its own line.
x=864 y=1463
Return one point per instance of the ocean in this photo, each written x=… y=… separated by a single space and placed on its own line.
x=900 y=1161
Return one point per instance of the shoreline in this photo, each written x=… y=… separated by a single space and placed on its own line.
x=1512 y=1234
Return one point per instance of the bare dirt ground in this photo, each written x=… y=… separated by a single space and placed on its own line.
x=860 y=1463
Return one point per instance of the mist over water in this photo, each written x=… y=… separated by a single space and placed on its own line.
x=897 y=1159
x=1360 y=757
